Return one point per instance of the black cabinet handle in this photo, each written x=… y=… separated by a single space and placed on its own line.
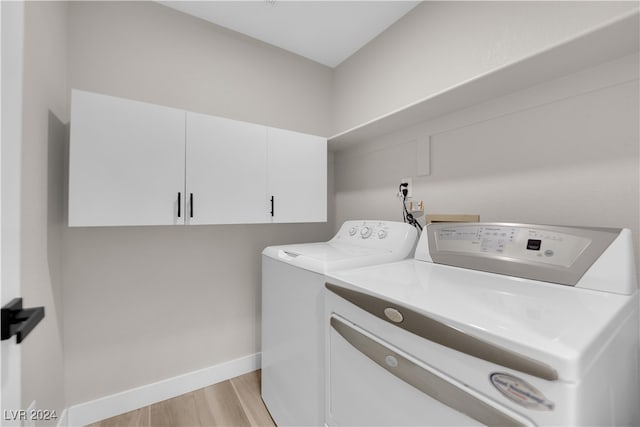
x=190 y=205
x=179 y=204
x=271 y=206
x=19 y=321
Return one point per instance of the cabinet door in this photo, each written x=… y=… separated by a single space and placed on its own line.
x=297 y=176
x=126 y=162
x=226 y=170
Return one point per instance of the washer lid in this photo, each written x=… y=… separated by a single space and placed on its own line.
x=357 y=243
x=562 y=327
x=328 y=256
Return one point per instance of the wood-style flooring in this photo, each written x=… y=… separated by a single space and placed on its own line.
x=235 y=402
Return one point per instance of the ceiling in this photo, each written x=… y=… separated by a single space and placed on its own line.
x=327 y=32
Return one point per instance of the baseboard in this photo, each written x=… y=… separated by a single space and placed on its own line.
x=62 y=420
x=139 y=397
x=30 y=422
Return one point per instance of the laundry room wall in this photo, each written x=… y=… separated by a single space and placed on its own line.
x=44 y=138
x=143 y=304
x=440 y=44
x=562 y=152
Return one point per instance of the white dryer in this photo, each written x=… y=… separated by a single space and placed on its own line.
x=490 y=324
x=293 y=278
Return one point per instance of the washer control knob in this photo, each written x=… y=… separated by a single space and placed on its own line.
x=352 y=231
x=366 y=231
x=382 y=234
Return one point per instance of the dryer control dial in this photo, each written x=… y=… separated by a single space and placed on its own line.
x=352 y=231
x=382 y=234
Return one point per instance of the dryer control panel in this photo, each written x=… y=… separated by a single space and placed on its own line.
x=527 y=244
x=555 y=254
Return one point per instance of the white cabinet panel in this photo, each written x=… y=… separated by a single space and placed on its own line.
x=226 y=170
x=130 y=162
x=297 y=176
x=126 y=162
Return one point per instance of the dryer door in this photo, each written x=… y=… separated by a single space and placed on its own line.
x=373 y=383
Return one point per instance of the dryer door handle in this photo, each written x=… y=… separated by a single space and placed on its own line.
x=428 y=382
x=444 y=334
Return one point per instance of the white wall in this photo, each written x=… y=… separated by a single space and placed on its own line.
x=143 y=51
x=147 y=303
x=45 y=114
x=440 y=44
x=563 y=152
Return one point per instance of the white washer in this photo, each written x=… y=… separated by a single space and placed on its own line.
x=490 y=324
x=293 y=279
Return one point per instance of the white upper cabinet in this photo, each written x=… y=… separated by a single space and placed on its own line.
x=226 y=170
x=297 y=176
x=133 y=163
x=126 y=162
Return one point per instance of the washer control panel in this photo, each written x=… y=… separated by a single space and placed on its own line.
x=376 y=234
x=359 y=230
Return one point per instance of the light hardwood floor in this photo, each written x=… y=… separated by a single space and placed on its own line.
x=235 y=402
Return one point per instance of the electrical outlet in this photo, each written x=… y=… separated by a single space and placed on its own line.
x=416 y=206
x=409 y=186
